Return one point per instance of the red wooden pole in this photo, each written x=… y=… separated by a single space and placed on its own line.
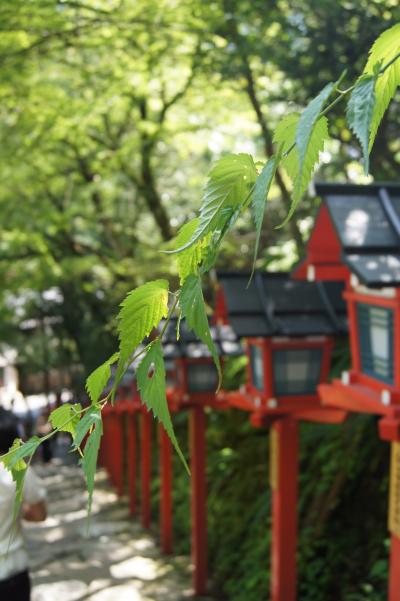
x=166 y=492
x=145 y=475
x=116 y=451
x=132 y=462
x=394 y=571
x=199 y=499
x=284 y=476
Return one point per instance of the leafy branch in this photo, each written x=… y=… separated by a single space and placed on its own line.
x=234 y=185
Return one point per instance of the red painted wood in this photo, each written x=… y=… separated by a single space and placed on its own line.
x=396 y=345
x=132 y=459
x=145 y=472
x=199 y=499
x=323 y=251
x=353 y=397
x=394 y=570
x=284 y=512
x=118 y=452
x=166 y=491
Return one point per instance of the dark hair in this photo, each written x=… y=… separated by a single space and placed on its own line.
x=8 y=430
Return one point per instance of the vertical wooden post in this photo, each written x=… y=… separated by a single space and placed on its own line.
x=394 y=569
x=145 y=475
x=132 y=462
x=166 y=491
x=284 y=483
x=116 y=451
x=199 y=499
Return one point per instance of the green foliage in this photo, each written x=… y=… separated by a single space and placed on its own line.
x=88 y=421
x=14 y=461
x=309 y=140
x=193 y=308
x=229 y=183
x=188 y=260
x=91 y=451
x=152 y=385
x=259 y=198
x=360 y=110
x=98 y=379
x=285 y=135
x=66 y=417
x=141 y=311
x=384 y=54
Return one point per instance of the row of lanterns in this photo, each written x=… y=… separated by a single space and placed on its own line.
x=288 y=326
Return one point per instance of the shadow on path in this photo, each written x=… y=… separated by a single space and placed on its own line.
x=115 y=561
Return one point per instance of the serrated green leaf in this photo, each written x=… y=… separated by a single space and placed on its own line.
x=66 y=417
x=285 y=135
x=141 y=311
x=151 y=383
x=91 y=418
x=193 y=308
x=384 y=49
x=14 y=462
x=14 y=459
x=229 y=183
x=259 y=198
x=99 y=378
x=188 y=260
x=360 y=111
x=89 y=459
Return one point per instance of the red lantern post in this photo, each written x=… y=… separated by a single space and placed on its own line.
x=193 y=380
x=364 y=230
x=288 y=329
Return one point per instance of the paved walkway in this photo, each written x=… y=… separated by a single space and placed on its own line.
x=117 y=561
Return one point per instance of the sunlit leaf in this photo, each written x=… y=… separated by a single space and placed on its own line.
x=360 y=111
x=152 y=386
x=193 y=308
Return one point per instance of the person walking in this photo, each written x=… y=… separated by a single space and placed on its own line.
x=14 y=575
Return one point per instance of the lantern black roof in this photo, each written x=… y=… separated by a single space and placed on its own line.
x=367 y=222
x=189 y=346
x=275 y=305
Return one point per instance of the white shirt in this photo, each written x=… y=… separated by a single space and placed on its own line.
x=13 y=557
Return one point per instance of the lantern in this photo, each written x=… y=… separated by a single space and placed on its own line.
x=357 y=233
x=288 y=328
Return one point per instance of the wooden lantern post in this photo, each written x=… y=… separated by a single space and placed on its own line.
x=357 y=233
x=192 y=385
x=288 y=328
x=166 y=491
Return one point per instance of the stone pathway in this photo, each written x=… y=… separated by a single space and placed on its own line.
x=116 y=561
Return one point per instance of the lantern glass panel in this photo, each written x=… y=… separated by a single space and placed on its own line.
x=375 y=326
x=257 y=367
x=202 y=377
x=296 y=371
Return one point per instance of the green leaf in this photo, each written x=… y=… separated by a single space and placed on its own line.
x=360 y=111
x=91 y=418
x=229 y=183
x=384 y=50
x=89 y=459
x=14 y=459
x=193 y=308
x=98 y=379
x=141 y=311
x=259 y=198
x=14 y=462
x=66 y=417
x=285 y=135
x=188 y=260
x=150 y=376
